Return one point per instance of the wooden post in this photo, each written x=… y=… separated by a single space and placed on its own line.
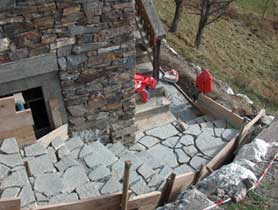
x=124 y=204
x=167 y=190
x=156 y=58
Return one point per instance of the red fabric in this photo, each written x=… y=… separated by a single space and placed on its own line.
x=143 y=82
x=204 y=82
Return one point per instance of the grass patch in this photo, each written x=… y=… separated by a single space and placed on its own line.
x=242 y=51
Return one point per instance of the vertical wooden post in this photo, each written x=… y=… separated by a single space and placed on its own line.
x=165 y=197
x=124 y=204
x=156 y=58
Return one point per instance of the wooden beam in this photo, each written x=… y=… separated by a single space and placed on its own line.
x=24 y=136
x=61 y=132
x=10 y=204
x=56 y=115
x=18 y=120
x=210 y=107
x=145 y=202
x=7 y=106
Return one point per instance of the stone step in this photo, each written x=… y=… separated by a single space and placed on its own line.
x=159 y=91
x=145 y=68
x=154 y=106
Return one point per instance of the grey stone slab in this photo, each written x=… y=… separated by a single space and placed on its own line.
x=206 y=125
x=75 y=153
x=49 y=184
x=228 y=134
x=111 y=186
x=138 y=136
x=63 y=198
x=197 y=161
x=140 y=187
x=74 y=142
x=146 y=171
x=40 y=165
x=220 y=123
x=9 y=146
x=191 y=150
x=85 y=150
x=65 y=163
x=16 y=179
x=99 y=173
x=26 y=196
x=10 y=192
x=155 y=181
x=63 y=152
x=163 y=132
x=193 y=130
x=51 y=154
x=182 y=156
x=41 y=198
x=208 y=131
x=218 y=131
x=11 y=161
x=89 y=190
x=171 y=142
x=183 y=169
x=185 y=140
x=149 y=141
x=4 y=170
x=100 y=155
x=147 y=157
x=117 y=148
x=137 y=147
x=34 y=150
x=209 y=145
x=74 y=177
x=134 y=177
x=165 y=172
x=57 y=143
x=164 y=154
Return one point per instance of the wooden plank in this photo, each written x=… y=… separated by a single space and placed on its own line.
x=111 y=202
x=7 y=106
x=145 y=202
x=19 y=120
x=61 y=132
x=10 y=204
x=210 y=107
x=55 y=112
x=24 y=135
x=181 y=181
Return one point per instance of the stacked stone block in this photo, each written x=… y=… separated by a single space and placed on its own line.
x=95 y=50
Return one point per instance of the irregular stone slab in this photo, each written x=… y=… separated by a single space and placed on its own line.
x=228 y=134
x=190 y=150
x=34 y=150
x=74 y=177
x=40 y=165
x=4 y=170
x=156 y=181
x=111 y=186
x=185 y=140
x=134 y=177
x=66 y=163
x=85 y=150
x=193 y=130
x=146 y=171
x=63 y=152
x=16 y=179
x=218 y=131
x=88 y=190
x=10 y=192
x=171 y=142
x=117 y=148
x=182 y=157
x=57 y=143
x=220 y=123
x=138 y=136
x=164 y=154
x=165 y=172
x=63 y=198
x=163 y=132
x=209 y=145
x=140 y=187
x=9 y=146
x=100 y=155
x=11 y=161
x=41 y=198
x=183 y=169
x=51 y=154
x=26 y=196
x=49 y=184
x=208 y=131
x=75 y=153
x=149 y=141
x=137 y=147
x=74 y=142
x=197 y=161
x=206 y=125
x=100 y=172
x=147 y=157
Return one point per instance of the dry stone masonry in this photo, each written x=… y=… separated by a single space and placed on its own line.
x=92 y=43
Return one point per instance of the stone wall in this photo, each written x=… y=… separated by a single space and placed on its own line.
x=95 y=51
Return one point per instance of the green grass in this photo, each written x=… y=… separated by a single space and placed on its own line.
x=256 y=6
x=241 y=50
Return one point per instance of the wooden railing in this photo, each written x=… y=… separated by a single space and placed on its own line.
x=149 y=19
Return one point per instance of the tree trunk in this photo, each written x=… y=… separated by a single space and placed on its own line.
x=178 y=12
x=199 y=34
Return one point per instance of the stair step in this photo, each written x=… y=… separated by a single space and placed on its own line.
x=158 y=92
x=154 y=121
x=144 y=68
x=154 y=106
